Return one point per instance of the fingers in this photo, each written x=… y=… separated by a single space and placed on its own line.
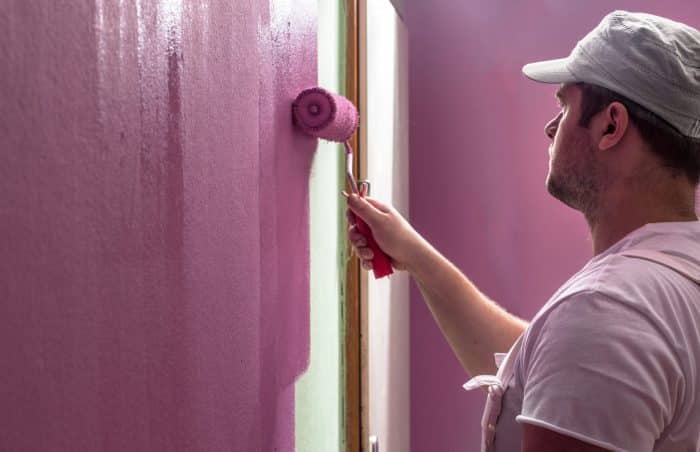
x=380 y=206
x=359 y=247
x=359 y=244
x=350 y=217
x=368 y=209
x=375 y=202
x=365 y=209
x=365 y=254
x=358 y=240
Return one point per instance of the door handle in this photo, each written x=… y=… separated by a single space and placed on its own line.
x=373 y=444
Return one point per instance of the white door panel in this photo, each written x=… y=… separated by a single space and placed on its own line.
x=385 y=115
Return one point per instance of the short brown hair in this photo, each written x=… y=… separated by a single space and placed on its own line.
x=677 y=151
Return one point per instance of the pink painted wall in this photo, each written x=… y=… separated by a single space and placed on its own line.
x=477 y=146
x=153 y=224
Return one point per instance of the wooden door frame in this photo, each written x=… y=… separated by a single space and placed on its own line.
x=355 y=320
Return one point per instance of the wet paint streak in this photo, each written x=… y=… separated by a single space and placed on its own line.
x=288 y=58
x=154 y=224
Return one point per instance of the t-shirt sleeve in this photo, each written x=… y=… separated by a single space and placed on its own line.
x=600 y=371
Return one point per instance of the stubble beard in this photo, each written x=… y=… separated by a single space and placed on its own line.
x=577 y=184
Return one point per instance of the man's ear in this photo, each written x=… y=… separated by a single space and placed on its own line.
x=615 y=120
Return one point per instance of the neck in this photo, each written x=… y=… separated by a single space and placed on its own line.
x=624 y=210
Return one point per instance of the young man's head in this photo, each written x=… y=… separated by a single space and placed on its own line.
x=595 y=122
x=630 y=114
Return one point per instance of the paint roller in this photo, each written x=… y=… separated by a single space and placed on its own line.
x=330 y=116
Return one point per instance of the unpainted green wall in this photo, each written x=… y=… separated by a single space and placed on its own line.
x=319 y=392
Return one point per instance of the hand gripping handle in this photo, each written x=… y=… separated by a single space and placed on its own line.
x=381 y=264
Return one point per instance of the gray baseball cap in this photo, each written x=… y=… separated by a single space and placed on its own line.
x=649 y=59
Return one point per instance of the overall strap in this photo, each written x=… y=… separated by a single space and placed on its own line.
x=667 y=260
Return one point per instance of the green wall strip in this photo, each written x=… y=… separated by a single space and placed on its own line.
x=320 y=391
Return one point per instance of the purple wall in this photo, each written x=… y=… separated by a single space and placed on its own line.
x=477 y=145
x=153 y=224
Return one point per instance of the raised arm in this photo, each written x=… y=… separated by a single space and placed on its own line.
x=474 y=326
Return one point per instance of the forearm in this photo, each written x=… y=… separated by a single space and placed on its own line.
x=474 y=326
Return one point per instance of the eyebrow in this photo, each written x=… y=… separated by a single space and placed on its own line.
x=559 y=96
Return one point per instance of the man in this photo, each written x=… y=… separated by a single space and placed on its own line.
x=612 y=360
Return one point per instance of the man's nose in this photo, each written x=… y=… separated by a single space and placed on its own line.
x=550 y=129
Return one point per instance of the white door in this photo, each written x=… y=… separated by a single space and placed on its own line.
x=385 y=118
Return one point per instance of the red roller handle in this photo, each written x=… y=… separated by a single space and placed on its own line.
x=381 y=264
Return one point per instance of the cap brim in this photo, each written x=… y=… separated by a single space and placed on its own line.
x=551 y=71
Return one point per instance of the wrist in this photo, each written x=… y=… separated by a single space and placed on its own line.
x=421 y=259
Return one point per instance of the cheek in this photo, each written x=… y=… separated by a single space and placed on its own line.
x=556 y=145
x=562 y=138
x=560 y=152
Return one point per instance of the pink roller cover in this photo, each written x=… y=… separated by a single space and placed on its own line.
x=323 y=114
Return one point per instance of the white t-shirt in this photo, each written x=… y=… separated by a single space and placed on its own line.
x=613 y=358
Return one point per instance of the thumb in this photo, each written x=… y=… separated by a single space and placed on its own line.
x=378 y=204
x=364 y=209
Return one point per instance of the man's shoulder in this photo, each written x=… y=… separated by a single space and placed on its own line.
x=616 y=289
x=588 y=318
x=625 y=279
x=621 y=290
